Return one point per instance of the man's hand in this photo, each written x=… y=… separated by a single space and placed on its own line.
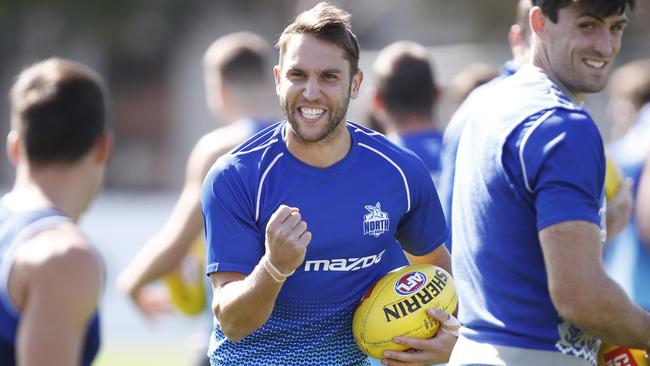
x=152 y=301
x=286 y=239
x=426 y=351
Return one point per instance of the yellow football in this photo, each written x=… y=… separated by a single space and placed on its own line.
x=610 y=355
x=613 y=178
x=396 y=305
x=186 y=283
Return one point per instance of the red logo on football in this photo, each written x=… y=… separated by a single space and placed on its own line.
x=620 y=356
x=410 y=283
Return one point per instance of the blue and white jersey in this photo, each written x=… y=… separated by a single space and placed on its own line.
x=15 y=228
x=627 y=256
x=528 y=158
x=427 y=145
x=451 y=138
x=361 y=211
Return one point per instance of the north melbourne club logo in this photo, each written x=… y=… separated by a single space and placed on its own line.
x=375 y=222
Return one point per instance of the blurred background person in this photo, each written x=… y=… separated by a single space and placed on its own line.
x=628 y=92
x=627 y=255
x=643 y=205
x=468 y=79
x=405 y=101
x=519 y=40
x=239 y=90
x=51 y=277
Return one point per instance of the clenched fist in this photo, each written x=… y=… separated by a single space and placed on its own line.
x=286 y=238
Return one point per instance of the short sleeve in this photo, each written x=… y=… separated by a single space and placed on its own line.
x=423 y=228
x=563 y=165
x=234 y=242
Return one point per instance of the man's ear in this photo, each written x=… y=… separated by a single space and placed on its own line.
x=103 y=149
x=356 y=84
x=377 y=102
x=537 y=21
x=14 y=146
x=276 y=76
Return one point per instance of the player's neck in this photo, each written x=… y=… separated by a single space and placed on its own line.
x=50 y=187
x=320 y=154
x=415 y=124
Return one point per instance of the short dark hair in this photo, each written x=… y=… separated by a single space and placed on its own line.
x=405 y=79
x=59 y=109
x=238 y=58
x=550 y=8
x=329 y=23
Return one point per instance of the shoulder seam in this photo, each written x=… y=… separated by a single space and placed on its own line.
x=401 y=172
x=261 y=184
x=530 y=131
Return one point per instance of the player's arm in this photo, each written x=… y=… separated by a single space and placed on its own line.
x=242 y=304
x=582 y=292
x=567 y=191
x=58 y=295
x=165 y=250
x=643 y=203
x=438 y=257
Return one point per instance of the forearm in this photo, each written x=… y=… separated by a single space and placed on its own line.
x=582 y=292
x=605 y=311
x=243 y=306
x=156 y=259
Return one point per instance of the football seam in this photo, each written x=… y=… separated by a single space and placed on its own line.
x=367 y=312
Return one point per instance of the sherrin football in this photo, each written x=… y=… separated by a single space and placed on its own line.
x=397 y=305
x=611 y=355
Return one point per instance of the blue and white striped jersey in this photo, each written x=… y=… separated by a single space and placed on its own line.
x=358 y=210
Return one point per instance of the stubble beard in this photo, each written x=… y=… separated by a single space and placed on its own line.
x=336 y=117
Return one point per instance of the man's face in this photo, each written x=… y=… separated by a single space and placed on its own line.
x=314 y=87
x=581 y=48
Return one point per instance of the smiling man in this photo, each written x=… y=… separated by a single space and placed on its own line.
x=529 y=206
x=305 y=216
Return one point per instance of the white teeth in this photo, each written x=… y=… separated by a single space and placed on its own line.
x=595 y=64
x=311 y=113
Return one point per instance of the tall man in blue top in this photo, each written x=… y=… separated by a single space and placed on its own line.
x=405 y=99
x=528 y=206
x=302 y=218
x=51 y=277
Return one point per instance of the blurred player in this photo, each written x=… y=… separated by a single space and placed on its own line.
x=470 y=78
x=302 y=218
x=239 y=90
x=627 y=255
x=51 y=277
x=643 y=205
x=238 y=87
x=528 y=206
x=405 y=99
x=519 y=40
